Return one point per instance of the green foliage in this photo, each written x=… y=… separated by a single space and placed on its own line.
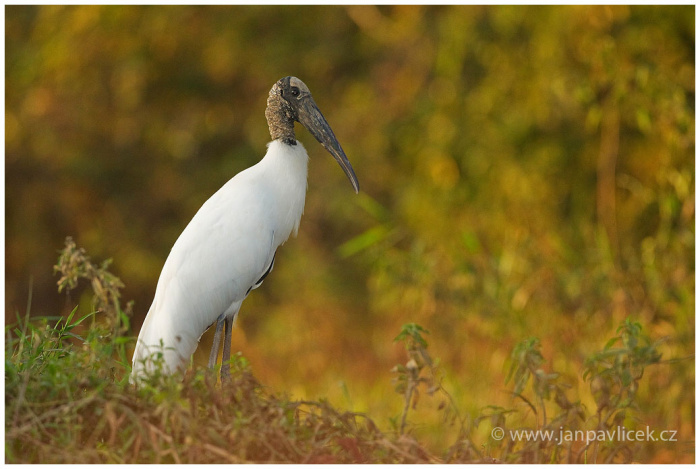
x=572 y=434
x=615 y=372
x=69 y=401
x=410 y=376
x=526 y=365
x=412 y=336
x=74 y=264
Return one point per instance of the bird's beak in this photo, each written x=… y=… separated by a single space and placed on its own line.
x=311 y=118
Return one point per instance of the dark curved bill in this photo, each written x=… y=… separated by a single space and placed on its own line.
x=311 y=118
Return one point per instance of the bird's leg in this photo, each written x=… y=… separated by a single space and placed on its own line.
x=226 y=356
x=214 y=354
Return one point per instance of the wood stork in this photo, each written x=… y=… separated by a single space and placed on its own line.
x=229 y=247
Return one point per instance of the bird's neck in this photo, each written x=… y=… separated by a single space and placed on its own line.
x=279 y=118
x=286 y=168
x=287 y=165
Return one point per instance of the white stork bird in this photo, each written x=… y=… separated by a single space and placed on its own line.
x=229 y=247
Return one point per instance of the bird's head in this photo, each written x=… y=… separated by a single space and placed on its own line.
x=290 y=100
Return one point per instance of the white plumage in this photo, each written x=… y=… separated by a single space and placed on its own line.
x=225 y=249
x=229 y=246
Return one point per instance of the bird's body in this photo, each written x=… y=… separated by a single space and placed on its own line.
x=223 y=252
x=229 y=246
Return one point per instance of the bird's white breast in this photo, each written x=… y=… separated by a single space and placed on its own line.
x=284 y=170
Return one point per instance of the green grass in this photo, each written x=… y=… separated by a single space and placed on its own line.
x=68 y=400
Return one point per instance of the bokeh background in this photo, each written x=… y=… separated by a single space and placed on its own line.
x=525 y=171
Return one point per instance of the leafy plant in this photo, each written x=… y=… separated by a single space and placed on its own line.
x=68 y=400
x=74 y=264
x=526 y=365
x=420 y=371
x=614 y=374
x=410 y=376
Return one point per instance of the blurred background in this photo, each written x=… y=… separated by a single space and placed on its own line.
x=525 y=171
